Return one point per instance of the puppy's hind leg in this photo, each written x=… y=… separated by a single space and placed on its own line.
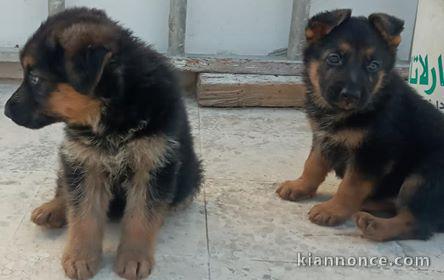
x=51 y=214
x=412 y=220
x=401 y=226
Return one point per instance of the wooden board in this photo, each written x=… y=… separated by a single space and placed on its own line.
x=10 y=70
x=250 y=65
x=188 y=81
x=238 y=65
x=236 y=90
x=266 y=65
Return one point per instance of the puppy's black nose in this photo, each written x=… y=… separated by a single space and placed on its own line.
x=350 y=96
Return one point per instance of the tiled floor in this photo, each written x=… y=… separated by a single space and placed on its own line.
x=236 y=229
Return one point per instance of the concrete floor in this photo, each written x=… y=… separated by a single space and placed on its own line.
x=236 y=229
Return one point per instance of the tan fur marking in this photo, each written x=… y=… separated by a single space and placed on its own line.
x=85 y=226
x=309 y=34
x=135 y=255
x=351 y=138
x=81 y=35
x=50 y=214
x=395 y=41
x=102 y=67
x=74 y=107
x=316 y=31
x=27 y=61
x=316 y=169
x=353 y=189
x=351 y=194
x=149 y=152
x=313 y=125
x=345 y=47
x=409 y=188
x=319 y=28
x=140 y=154
x=143 y=215
x=141 y=220
x=401 y=226
x=369 y=52
x=313 y=75
x=379 y=83
x=82 y=255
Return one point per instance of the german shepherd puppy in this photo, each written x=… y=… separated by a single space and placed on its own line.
x=127 y=152
x=371 y=128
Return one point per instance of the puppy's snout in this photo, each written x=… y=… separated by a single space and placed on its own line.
x=350 y=95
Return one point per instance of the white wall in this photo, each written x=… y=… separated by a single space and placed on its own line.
x=246 y=27
x=18 y=19
x=243 y=27
x=147 y=19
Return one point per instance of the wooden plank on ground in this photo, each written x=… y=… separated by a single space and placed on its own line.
x=10 y=70
x=205 y=64
x=238 y=65
x=251 y=65
x=237 y=90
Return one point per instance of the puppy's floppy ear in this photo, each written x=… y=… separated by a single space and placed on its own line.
x=86 y=67
x=322 y=24
x=88 y=48
x=389 y=27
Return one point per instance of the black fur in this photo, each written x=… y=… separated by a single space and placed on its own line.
x=401 y=127
x=138 y=88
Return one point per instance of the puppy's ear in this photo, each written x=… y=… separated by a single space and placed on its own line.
x=87 y=48
x=86 y=67
x=322 y=24
x=389 y=27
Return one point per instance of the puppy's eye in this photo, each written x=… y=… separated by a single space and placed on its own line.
x=33 y=79
x=373 y=66
x=334 y=59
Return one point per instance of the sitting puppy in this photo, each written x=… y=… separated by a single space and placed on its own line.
x=371 y=128
x=128 y=151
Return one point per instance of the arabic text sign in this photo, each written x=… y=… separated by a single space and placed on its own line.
x=427 y=61
x=427 y=76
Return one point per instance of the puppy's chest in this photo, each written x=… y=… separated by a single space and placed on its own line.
x=136 y=156
x=344 y=137
x=338 y=145
x=348 y=139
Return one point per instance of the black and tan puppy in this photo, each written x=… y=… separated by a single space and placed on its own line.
x=127 y=151
x=371 y=128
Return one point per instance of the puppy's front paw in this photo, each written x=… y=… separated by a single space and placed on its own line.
x=296 y=190
x=80 y=265
x=50 y=214
x=329 y=214
x=134 y=263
